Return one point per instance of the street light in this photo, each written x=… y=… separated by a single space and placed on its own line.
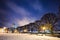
x=4 y=28
x=25 y=30
x=44 y=28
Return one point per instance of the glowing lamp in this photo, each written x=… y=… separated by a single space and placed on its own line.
x=44 y=28
x=4 y=28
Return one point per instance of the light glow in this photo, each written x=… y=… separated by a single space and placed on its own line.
x=4 y=28
x=44 y=28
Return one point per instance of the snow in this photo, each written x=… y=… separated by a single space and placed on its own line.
x=22 y=36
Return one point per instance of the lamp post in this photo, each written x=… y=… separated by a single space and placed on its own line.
x=44 y=28
x=4 y=29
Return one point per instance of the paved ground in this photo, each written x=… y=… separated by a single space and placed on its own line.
x=10 y=36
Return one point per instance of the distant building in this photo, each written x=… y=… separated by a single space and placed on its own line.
x=3 y=29
x=32 y=28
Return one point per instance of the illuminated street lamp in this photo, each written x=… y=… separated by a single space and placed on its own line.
x=16 y=31
x=44 y=28
x=4 y=28
x=25 y=30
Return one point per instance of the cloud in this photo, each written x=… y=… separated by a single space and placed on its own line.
x=26 y=15
x=24 y=21
x=18 y=9
x=21 y=13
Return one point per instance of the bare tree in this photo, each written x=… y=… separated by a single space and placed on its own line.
x=49 y=18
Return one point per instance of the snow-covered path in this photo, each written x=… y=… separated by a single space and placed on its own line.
x=10 y=36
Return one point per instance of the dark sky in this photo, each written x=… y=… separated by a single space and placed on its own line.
x=22 y=12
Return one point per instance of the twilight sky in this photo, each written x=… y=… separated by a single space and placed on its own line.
x=23 y=12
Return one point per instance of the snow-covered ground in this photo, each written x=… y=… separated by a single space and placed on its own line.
x=17 y=36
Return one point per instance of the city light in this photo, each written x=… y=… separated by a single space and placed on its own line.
x=15 y=31
x=25 y=30
x=44 y=28
x=4 y=28
x=1 y=30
